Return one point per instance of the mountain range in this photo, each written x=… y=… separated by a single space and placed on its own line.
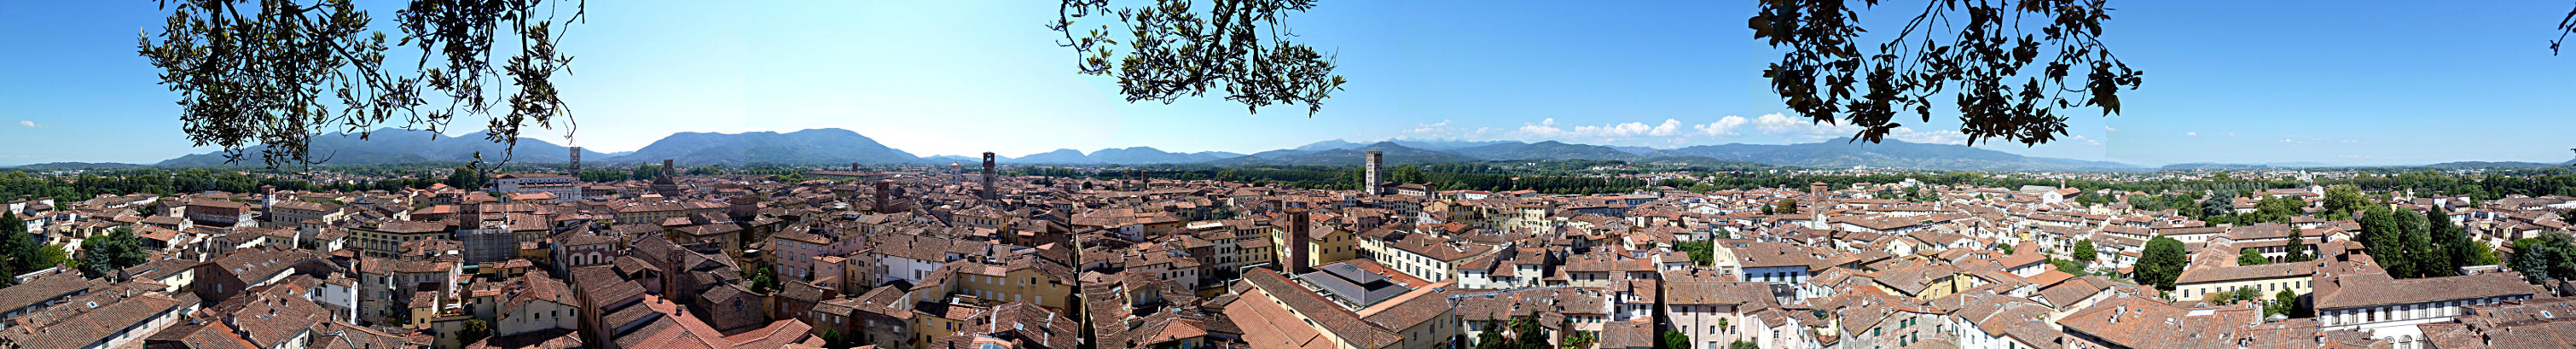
x=832 y=146
x=393 y=145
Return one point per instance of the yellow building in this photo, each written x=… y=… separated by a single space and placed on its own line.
x=1325 y=246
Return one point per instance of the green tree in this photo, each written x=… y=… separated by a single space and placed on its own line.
x=2251 y=257
x=645 y=172
x=2067 y=266
x=2084 y=250
x=2423 y=258
x=2455 y=242
x=2341 y=201
x=2216 y=206
x=1743 y=344
x=2551 y=256
x=104 y=254
x=1673 y=339
x=467 y=178
x=2298 y=250
x=1235 y=48
x=1825 y=58
x=1407 y=174
x=224 y=58
x=25 y=254
x=2385 y=238
x=2006 y=247
x=2162 y=263
x=2276 y=209
x=2285 y=303
x=763 y=282
x=473 y=331
x=1700 y=251
x=1786 y=206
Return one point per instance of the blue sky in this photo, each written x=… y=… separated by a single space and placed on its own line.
x=2353 y=83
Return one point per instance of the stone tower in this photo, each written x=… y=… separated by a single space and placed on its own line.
x=1296 y=227
x=576 y=162
x=1375 y=159
x=885 y=196
x=989 y=191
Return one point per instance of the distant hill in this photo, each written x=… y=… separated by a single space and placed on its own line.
x=2204 y=166
x=838 y=147
x=393 y=145
x=1637 y=150
x=1149 y=155
x=1329 y=145
x=962 y=159
x=74 y=166
x=1059 y=156
x=1443 y=145
x=829 y=146
x=1547 y=150
x=1395 y=155
x=2490 y=164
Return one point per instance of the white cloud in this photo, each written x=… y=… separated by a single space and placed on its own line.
x=1430 y=127
x=1777 y=124
x=2086 y=140
x=1723 y=127
x=28 y=123
x=1548 y=128
x=2191 y=133
x=2108 y=128
x=2229 y=134
x=1931 y=137
x=1668 y=128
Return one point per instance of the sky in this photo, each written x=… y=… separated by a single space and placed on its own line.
x=2355 y=83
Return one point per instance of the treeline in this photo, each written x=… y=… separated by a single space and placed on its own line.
x=2493 y=185
x=20 y=185
x=1350 y=178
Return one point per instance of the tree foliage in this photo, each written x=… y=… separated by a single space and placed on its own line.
x=2385 y=236
x=1523 y=333
x=2162 y=263
x=24 y=252
x=2341 y=202
x=1241 y=49
x=2298 y=249
x=2277 y=209
x=2084 y=250
x=1700 y=251
x=1827 y=76
x=104 y=254
x=280 y=72
x=1673 y=339
x=2251 y=257
x=474 y=330
x=2552 y=256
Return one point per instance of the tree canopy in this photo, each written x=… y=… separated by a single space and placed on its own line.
x=1826 y=73
x=280 y=72
x=104 y=254
x=2162 y=263
x=1241 y=49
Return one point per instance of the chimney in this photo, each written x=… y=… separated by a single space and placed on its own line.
x=989 y=191
x=1375 y=158
x=1297 y=240
x=885 y=196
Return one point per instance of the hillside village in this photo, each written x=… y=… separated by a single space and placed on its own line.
x=930 y=257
